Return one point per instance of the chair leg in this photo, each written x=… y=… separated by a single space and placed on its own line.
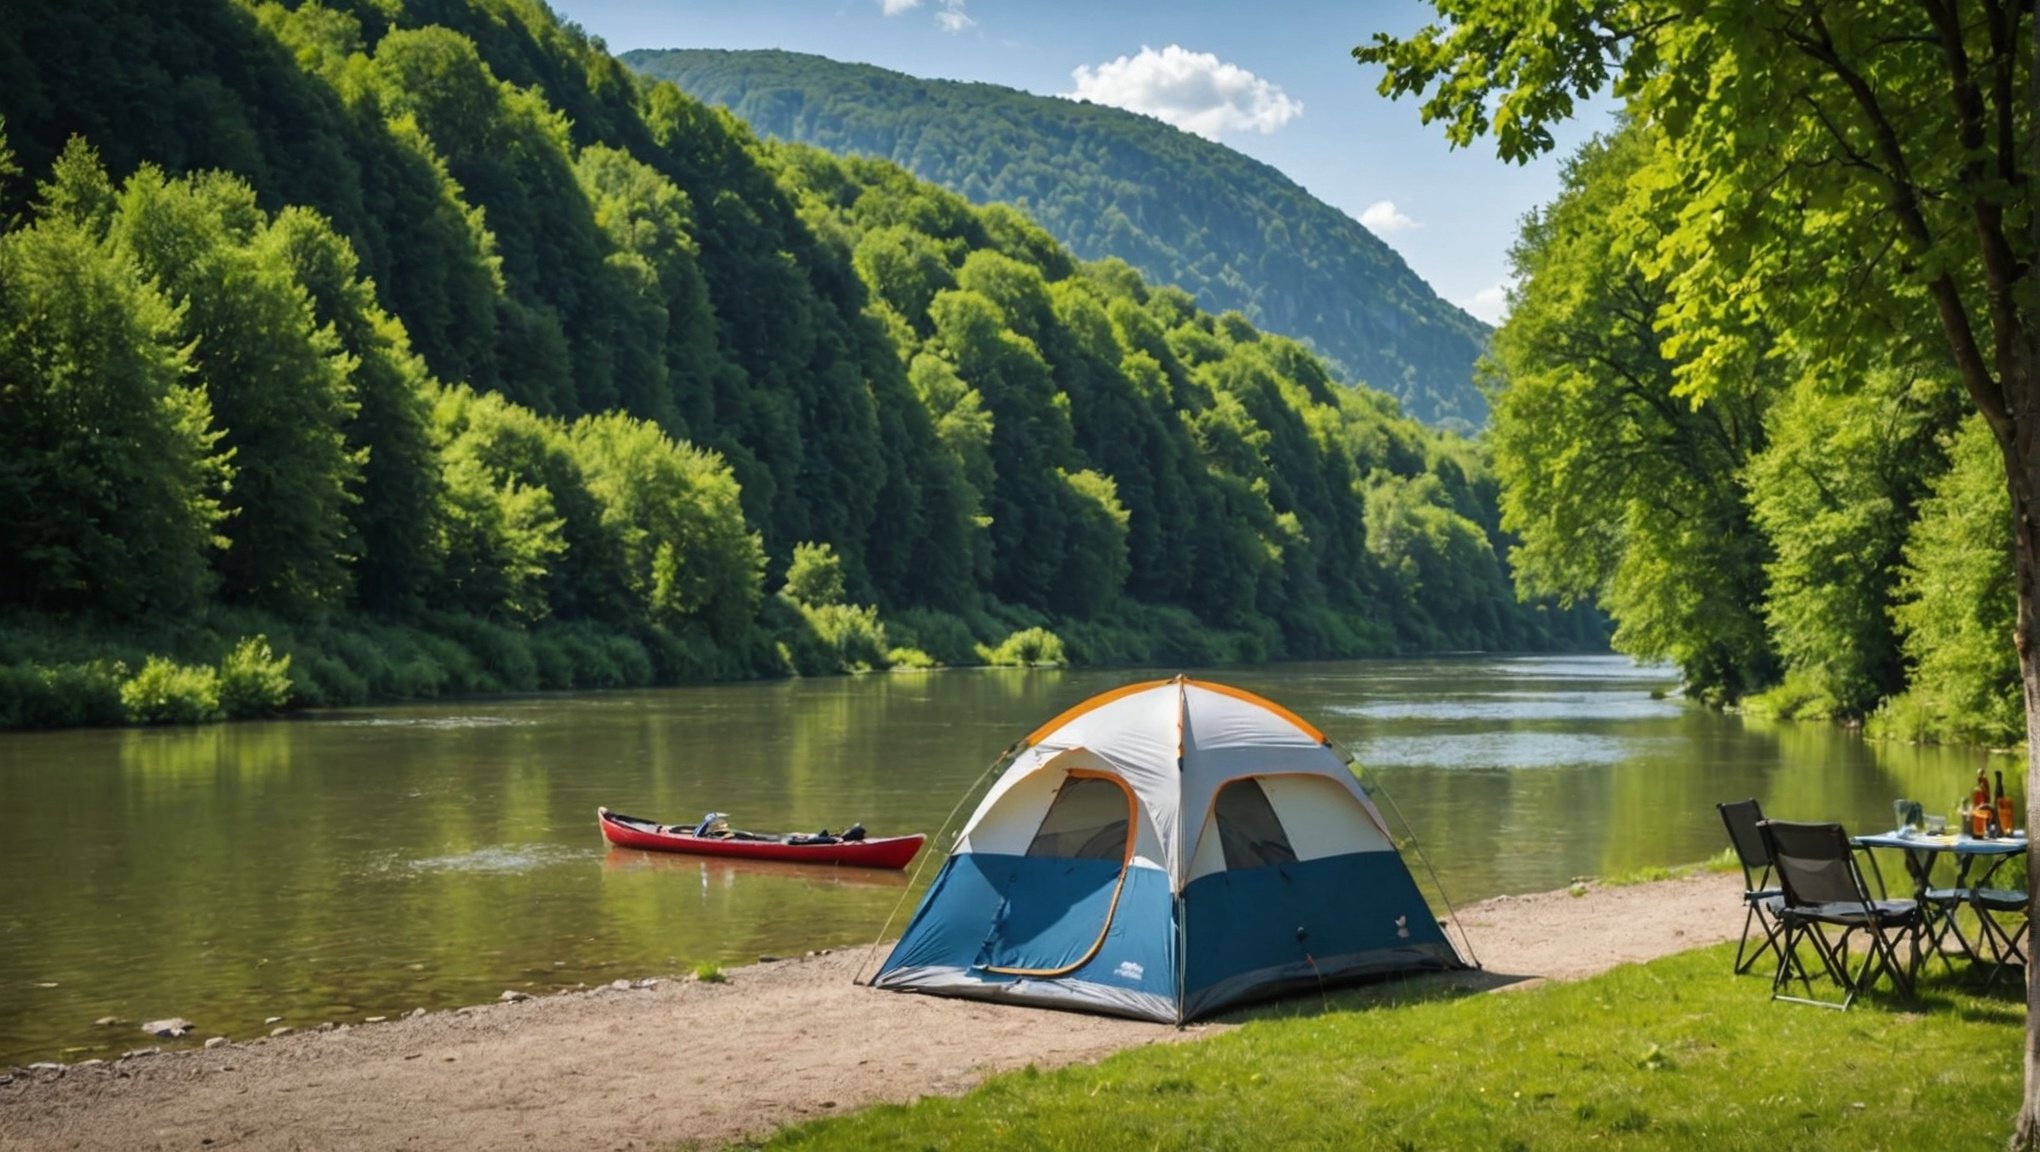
x=1756 y=916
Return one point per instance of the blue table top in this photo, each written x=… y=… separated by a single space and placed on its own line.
x=1960 y=845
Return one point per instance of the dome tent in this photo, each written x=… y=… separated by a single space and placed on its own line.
x=1163 y=850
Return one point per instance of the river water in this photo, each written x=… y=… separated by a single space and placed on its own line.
x=366 y=862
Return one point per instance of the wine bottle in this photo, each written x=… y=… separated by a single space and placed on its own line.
x=2006 y=819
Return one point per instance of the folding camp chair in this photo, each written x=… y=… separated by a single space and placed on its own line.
x=1762 y=898
x=1824 y=890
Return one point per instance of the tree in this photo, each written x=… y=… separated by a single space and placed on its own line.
x=1620 y=490
x=279 y=383
x=106 y=466
x=1832 y=164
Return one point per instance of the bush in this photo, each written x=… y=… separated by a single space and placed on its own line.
x=1026 y=648
x=328 y=683
x=912 y=659
x=61 y=695
x=815 y=575
x=166 y=692
x=254 y=681
x=945 y=638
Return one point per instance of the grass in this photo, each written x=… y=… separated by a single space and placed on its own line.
x=1674 y=1054
x=709 y=972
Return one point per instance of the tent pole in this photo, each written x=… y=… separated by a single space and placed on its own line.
x=1451 y=911
x=998 y=762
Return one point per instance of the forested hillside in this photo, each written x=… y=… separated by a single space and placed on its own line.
x=1805 y=541
x=1184 y=211
x=375 y=350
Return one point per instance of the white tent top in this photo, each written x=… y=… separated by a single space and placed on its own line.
x=1174 y=743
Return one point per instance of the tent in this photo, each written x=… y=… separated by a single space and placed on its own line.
x=1161 y=851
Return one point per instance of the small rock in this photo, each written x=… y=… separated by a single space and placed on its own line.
x=825 y=952
x=376 y=1020
x=6 y=1077
x=326 y=1026
x=173 y=1027
x=135 y=1052
x=94 y=1063
x=48 y=984
x=343 y=1028
x=216 y=1042
x=268 y=1020
x=512 y=996
x=768 y=959
x=283 y=1031
x=648 y=984
x=108 y=1022
x=414 y=1014
x=46 y=1066
x=620 y=985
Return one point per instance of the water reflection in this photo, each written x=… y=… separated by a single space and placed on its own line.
x=368 y=862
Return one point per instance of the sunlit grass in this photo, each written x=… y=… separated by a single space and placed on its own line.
x=1676 y=1054
x=709 y=972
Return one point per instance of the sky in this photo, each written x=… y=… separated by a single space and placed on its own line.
x=1274 y=79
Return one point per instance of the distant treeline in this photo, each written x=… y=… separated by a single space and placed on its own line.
x=369 y=350
x=1183 y=210
x=1804 y=544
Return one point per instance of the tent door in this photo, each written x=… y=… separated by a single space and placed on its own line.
x=1075 y=870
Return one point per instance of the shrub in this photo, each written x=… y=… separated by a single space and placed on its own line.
x=328 y=683
x=61 y=695
x=254 y=681
x=815 y=575
x=166 y=692
x=1026 y=648
x=946 y=639
x=910 y=658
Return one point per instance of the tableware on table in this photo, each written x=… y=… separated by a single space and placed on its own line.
x=1937 y=825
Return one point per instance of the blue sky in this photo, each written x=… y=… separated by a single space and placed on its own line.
x=1273 y=79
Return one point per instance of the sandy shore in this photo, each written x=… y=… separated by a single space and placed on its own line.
x=685 y=1062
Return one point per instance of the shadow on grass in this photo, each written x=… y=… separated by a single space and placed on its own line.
x=1399 y=990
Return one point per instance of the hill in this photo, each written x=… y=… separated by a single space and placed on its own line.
x=430 y=342
x=1182 y=210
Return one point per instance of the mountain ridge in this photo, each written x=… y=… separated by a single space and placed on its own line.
x=1235 y=232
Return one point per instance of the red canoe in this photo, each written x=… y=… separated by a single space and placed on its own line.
x=633 y=832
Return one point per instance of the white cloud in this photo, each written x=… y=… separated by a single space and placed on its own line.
x=1490 y=305
x=895 y=7
x=1195 y=91
x=951 y=18
x=1383 y=218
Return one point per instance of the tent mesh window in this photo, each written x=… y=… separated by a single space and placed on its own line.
x=1248 y=829
x=1087 y=821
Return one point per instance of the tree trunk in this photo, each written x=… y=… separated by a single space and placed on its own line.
x=2020 y=387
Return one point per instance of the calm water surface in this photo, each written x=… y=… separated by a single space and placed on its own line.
x=363 y=863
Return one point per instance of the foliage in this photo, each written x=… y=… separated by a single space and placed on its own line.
x=1114 y=184
x=1956 y=605
x=61 y=695
x=815 y=577
x=1646 y=1056
x=1834 y=492
x=1621 y=490
x=1025 y=648
x=253 y=680
x=166 y=692
x=107 y=454
x=424 y=339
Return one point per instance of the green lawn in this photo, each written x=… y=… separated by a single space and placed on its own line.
x=1676 y=1054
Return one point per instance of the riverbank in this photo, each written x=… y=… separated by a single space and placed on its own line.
x=684 y=1062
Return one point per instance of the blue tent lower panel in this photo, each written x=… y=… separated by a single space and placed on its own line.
x=1258 y=932
x=1043 y=914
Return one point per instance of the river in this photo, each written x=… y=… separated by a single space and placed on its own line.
x=366 y=862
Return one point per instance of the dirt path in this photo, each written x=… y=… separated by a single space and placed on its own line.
x=684 y=1061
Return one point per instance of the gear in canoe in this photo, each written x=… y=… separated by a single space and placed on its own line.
x=713 y=836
